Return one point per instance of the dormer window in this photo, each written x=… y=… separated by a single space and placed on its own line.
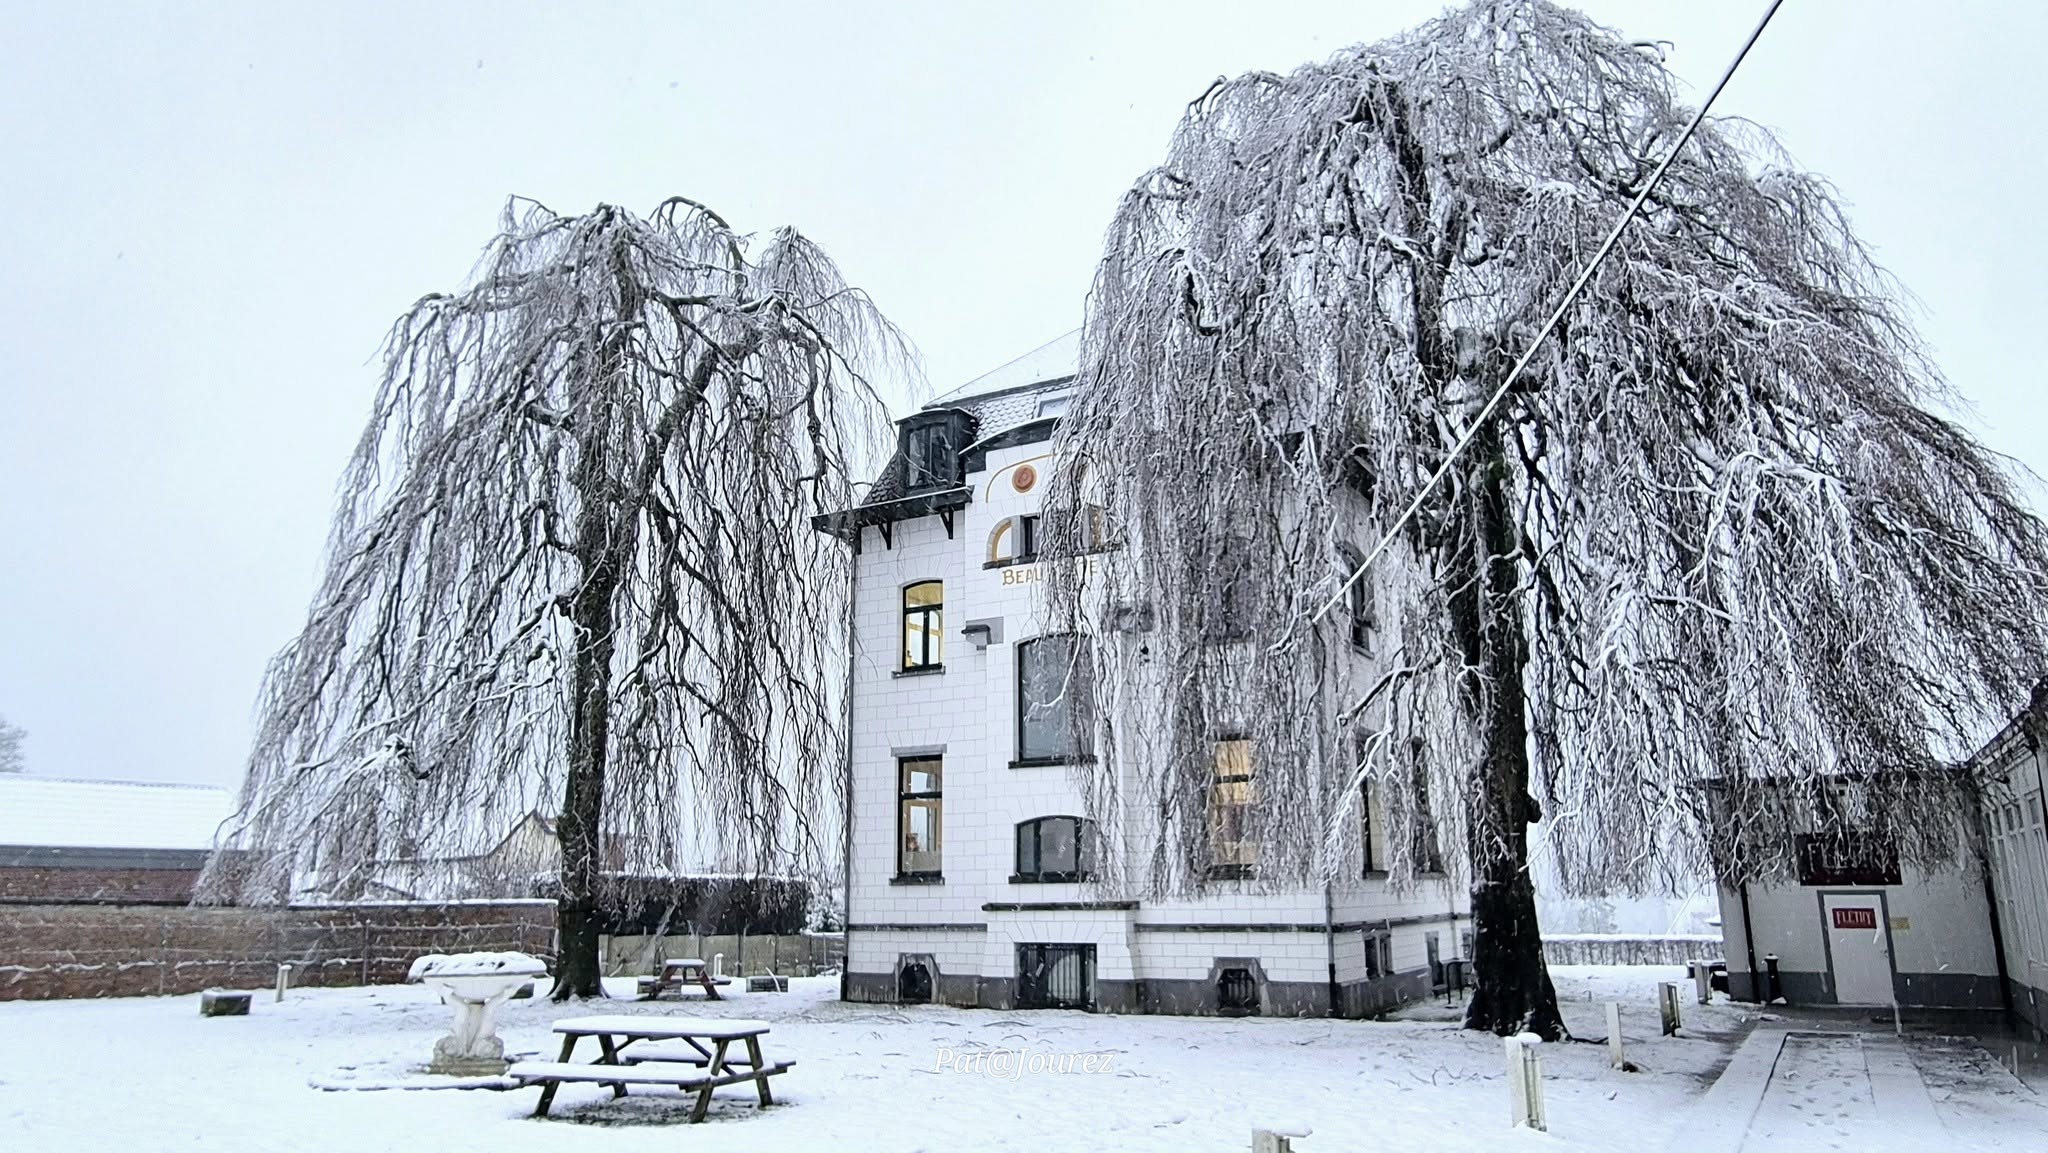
x=931 y=450
x=1054 y=404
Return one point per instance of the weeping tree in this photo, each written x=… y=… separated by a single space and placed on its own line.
x=1716 y=532
x=572 y=569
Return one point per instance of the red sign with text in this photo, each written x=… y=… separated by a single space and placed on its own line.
x=1855 y=918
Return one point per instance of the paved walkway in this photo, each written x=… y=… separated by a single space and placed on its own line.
x=1799 y=1091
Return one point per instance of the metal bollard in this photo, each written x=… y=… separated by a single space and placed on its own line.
x=1667 y=1006
x=1702 y=981
x=1773 y=992
x=1614 y=1056
x=284 y=980
x=1525 y=1082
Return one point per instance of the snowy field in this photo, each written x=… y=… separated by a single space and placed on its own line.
x=149 y=1073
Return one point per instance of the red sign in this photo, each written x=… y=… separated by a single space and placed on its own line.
x=1855 y=918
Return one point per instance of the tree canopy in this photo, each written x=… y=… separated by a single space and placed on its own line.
x=572 y=565
x=1721 y=529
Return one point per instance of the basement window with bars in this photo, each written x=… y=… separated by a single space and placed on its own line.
x=1237 y=993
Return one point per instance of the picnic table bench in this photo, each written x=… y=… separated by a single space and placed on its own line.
x=679 y=975
x=690 y=1053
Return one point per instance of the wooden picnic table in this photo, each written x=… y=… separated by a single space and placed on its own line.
x=690 y=1053
x=680 y=974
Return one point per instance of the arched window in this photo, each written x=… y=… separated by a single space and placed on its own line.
x=924 y=632
x=1053 y=849
x=1014 y=540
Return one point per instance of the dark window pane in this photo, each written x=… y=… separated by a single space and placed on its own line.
x=1056 y=848
x=1049 y=682
x=1027 y=848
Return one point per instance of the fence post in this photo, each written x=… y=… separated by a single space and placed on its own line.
x=1667 y=1006
x=1525 y=1081
x=1277 y=1136
x=1614 y=1035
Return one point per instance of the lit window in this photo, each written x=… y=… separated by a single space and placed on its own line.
x=1052 y=681
x=1055 y=849
x=920 y=807
x=1232 y=849
x=924 y=633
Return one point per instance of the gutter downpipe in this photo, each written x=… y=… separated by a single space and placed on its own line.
x=1756 y=979
x=846 y=779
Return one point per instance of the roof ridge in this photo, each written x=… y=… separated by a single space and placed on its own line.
x=29 y=778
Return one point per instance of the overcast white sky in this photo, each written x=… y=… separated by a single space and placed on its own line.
x=210 y=213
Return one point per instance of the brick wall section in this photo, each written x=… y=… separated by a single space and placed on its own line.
x=97 y=886
x=54 y=951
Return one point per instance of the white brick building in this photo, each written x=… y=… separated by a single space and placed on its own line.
x=969 y=872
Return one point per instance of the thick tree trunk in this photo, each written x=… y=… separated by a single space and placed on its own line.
x=581 y=827
x=1512 y=992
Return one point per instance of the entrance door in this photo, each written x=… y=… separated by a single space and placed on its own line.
x=1055 y=976
x=1859 y=947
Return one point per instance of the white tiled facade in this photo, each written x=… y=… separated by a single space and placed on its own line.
x=1306 y=950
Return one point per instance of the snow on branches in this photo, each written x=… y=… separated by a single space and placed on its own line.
x=572 y=567
x=1735 y=539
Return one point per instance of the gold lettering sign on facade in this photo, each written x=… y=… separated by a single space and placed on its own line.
x=1022 y=574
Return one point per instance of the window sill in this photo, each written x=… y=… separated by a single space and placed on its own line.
x=1050 y=762
x=1230 y=872
x=1011 y=561
x=918 y=879
x=1048 y=878
x=920 y=671
x=1375 y=874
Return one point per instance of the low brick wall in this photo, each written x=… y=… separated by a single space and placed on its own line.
x=1624 y=949
x=54 y=951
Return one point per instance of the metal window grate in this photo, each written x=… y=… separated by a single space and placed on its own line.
x=1055 y=976
x=914 y=984
x=1237 y=993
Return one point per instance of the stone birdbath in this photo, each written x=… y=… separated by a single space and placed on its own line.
x=476 y=984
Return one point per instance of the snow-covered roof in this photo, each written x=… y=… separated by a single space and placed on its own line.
x=1050 y=363
x=45 y=811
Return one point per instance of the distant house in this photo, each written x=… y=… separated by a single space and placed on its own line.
x=527 y=853
x=105 y=842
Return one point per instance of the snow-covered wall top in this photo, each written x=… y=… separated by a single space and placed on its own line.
x=43 y=811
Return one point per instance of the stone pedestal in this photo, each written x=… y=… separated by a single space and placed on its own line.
x=475 y=984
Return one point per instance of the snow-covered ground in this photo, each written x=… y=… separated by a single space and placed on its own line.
x=150 y=1073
